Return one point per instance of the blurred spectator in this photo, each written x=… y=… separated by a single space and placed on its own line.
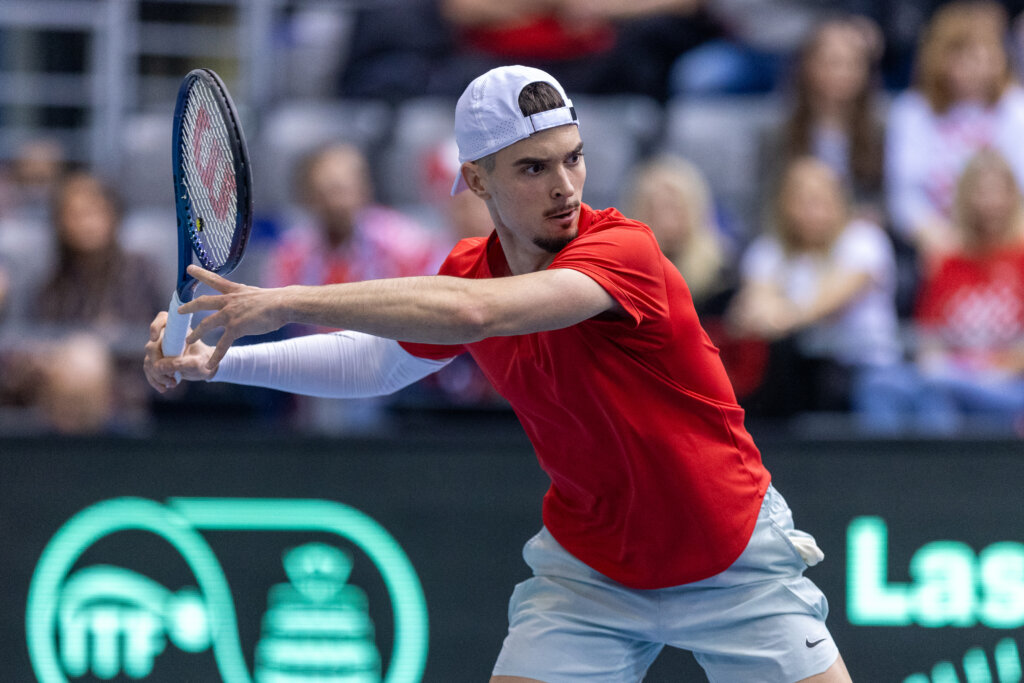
x=78 y=389
x=834 y=113
x=971 y=311
x=673 y=198
x=758 y=38
x=35 y=170
x=397 y=49
x=26 y=243
x=416 y=47
x=95 y=283
x=595 y=46
x=820 y=291
x=460 y=216
x=102 y=297
x=346 y=238
x=963 y=99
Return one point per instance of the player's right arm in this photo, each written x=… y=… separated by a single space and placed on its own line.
x=335 y=365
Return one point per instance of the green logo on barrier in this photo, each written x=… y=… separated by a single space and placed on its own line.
x=1006 y=667
x=951 y=585
x=111 y=620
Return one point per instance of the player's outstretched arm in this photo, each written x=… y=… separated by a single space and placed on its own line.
x=431 y=309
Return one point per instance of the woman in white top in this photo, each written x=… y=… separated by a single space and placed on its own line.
x=963 y=99
x=821 y=290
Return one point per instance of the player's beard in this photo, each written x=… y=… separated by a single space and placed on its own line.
x=553 y=245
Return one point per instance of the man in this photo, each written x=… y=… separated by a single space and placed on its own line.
x=345 y=237
x=660 y=526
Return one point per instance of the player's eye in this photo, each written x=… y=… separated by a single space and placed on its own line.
x=533 y=169
x=575 y=158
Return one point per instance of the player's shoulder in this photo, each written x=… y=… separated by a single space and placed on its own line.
x=467 y=256
x=609 y=218
x=611 y=224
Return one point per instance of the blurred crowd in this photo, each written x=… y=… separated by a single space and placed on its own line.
x=882 y=279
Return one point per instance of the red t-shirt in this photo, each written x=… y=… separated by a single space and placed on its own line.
x=655 y=482
x=976 y=304
x=541 y=37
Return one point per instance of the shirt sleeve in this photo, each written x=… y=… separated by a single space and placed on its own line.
x=627 y=263
x=336 y=365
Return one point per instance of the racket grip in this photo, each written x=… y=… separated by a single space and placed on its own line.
x=177 y=328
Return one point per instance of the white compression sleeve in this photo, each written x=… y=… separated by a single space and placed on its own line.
x=334 y=365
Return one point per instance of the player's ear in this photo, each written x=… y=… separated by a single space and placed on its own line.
x=476 y=179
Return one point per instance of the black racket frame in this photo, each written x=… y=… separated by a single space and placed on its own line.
x=189 y=242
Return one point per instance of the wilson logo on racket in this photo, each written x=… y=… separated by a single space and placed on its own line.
x=213 y=172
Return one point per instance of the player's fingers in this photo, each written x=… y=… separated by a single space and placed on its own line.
x=223 y=344
x=203 y=303
x=157 y=326
x=157 y=377
x=219 y=283
x=208 y=323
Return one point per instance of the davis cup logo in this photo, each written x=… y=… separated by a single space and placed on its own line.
x=104 y=620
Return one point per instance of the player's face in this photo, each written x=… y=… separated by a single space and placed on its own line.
x=536 y=187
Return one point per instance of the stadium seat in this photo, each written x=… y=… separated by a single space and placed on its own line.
x=421 y=125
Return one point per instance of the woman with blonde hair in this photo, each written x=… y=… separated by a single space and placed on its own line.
x=820 y=289
x=970 y=315
x=964 y=98
x=988 y=208
x=673 y=198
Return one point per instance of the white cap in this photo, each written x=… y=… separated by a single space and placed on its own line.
x=488 y=118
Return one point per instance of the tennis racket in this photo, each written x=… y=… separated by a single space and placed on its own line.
x=212 y=191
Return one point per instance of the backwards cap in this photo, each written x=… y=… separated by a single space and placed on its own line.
x=488 y=118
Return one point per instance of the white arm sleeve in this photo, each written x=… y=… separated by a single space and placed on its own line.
x=334 y=365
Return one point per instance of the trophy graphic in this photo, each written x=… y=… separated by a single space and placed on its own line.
x=317 y=627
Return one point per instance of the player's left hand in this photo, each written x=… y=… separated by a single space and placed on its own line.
x=239 y=309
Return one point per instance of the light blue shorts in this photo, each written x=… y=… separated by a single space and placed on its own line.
x=758 y=621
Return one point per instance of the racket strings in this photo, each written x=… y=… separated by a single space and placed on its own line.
x=209 y=177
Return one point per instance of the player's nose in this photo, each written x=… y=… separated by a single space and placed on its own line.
x=565 y=183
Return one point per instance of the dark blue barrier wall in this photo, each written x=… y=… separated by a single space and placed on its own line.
x=924 y=545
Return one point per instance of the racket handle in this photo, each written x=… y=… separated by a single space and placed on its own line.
x=177 y=328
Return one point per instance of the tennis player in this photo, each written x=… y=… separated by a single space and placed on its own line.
x=660 y=526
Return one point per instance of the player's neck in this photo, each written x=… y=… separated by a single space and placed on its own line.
x=523 y=256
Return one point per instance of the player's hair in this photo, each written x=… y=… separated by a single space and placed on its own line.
x=533 y=99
